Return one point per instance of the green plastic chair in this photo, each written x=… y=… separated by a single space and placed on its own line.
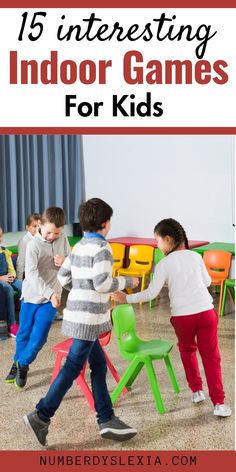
x=140 y=353
x=229 y=286
x=158 y=256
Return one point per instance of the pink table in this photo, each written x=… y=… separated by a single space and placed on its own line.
x=130 y=240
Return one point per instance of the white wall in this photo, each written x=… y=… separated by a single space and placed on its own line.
x=147 y=178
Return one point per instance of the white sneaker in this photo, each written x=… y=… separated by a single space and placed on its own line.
x=222 y=410
x=198 y=397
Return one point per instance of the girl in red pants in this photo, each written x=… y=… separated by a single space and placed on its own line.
x=193 y=316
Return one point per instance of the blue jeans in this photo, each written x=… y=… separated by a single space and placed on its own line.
x=35 y=323
x=10 y=303
x=79 y=352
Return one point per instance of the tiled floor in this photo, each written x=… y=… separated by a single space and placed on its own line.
x=184 y=427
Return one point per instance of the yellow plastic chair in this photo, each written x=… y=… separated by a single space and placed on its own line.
x=141 y=258
x=118 y=252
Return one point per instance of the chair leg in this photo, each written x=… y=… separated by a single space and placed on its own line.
x=135 y=374
x=124 y=380
x=221 y=296
x=112 y=369
x=231 y=293
x=81 y=382
x=171 y=373
x=222 y=311
x=154 y=386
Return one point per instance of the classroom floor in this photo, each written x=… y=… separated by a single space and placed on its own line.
x=185 y=426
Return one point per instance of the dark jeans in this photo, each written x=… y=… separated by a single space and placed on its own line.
x=79 y=352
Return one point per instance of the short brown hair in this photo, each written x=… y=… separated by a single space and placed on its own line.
x=54 y=215
x=93 y=214
x=33 y=217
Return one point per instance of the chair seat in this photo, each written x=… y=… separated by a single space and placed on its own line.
x=155 y=349
x=62 y=349
x=139 y=273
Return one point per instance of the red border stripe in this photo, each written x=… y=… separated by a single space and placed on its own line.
x=117 y=4
x=104 y=130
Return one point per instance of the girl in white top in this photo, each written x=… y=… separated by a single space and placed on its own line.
x=193 y=315
x=32 y=225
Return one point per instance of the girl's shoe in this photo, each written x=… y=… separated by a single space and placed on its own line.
x=13 y=330
x=222 y=410
x=198 y=396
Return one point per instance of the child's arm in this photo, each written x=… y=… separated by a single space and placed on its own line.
x=159 y=279
x=20 y=262
x=59 y=259
x=102 y=274
x=64 y=275
x=32 y=273
x=11 y=269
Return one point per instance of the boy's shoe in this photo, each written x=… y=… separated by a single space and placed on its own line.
x=21 y=375
x=13 y=330
x=10 y=378
x=222 y=410
x=198 y=396
x=37 y=427
x=116 y=429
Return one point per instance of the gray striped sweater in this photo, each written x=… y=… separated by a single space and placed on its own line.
x=87 y=273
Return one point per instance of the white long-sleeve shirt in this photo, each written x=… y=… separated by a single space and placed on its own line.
x=187 y=279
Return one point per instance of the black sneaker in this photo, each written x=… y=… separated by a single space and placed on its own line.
x=37 y=427
x=116 y=429
x=10 y=378
x=21 y=375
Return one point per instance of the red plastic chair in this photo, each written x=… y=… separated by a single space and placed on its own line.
x=62 y=349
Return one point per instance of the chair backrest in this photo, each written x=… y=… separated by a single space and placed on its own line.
x=158 y=255
x=124 y=323
x=141 y=257
x=217 y=264
x=118 y=252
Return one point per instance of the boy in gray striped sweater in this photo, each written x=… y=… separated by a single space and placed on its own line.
x=87 y=273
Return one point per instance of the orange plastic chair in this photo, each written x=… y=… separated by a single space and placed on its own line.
x=118 y=252
x=62 y=350
x=141 y=259
x=218 y=266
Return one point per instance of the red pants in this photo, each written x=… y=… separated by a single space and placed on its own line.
x=199 y=331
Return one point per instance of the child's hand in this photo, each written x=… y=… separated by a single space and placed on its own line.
x=55 y=300
x=134 y=282
x=58 y=260
x=10 y=278
x=119 y=297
